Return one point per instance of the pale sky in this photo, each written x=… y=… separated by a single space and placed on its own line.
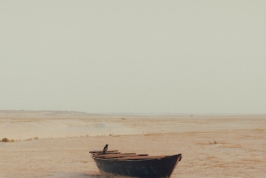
x=175 y=57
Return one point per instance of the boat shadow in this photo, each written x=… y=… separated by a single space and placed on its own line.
x=94 y=176
x=77 y=175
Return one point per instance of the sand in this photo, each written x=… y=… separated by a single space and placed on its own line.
x=212 y=147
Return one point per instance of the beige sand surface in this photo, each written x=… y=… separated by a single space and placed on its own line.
x=63 y=144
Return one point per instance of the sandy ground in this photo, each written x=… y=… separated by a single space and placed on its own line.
x=63 y=144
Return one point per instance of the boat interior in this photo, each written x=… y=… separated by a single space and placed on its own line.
x=115 y=155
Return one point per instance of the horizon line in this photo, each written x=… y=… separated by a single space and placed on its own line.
x=140 y=113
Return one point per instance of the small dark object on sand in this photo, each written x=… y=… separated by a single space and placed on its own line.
x=105 y=148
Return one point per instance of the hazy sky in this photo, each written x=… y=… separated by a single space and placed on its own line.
x=195 y=57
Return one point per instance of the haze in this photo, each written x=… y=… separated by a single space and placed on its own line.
x=195 y=57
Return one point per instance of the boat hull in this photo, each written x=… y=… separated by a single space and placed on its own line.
x=143 y=168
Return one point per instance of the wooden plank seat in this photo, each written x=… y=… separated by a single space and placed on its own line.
x=143 y=155
x=114 y=155
x=109 y=151
x=106 y=153
x=119 y=155
x=140 y=157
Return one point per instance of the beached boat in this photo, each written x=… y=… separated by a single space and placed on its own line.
x=116 y=164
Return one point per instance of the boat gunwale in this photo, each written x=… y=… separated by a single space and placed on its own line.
x=141 y=159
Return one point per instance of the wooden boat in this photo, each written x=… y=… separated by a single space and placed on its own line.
x=115 y=164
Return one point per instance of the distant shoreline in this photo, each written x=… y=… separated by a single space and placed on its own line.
x=55 y=113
